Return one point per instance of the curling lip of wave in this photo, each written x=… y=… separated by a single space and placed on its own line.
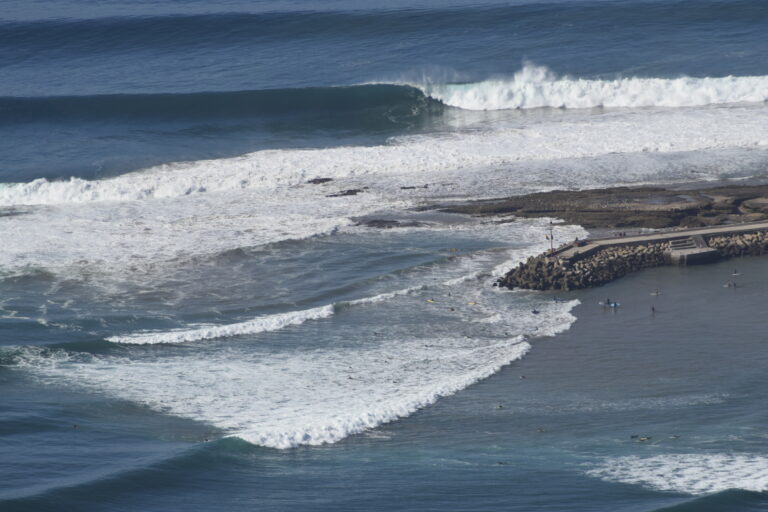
x=254 y=326
x=537 y=87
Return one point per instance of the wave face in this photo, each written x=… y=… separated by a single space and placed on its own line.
x=391 y=103
x=537 y=87
x=377 y=101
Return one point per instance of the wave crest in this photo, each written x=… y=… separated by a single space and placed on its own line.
x=537 y=86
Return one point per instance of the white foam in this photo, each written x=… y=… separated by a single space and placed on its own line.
x=383 y=297
x=457 y=156
x=137 y=222
x=177 y=211
x=537 y=86
x=302 y=395
x=207 y=332
x=688 y=473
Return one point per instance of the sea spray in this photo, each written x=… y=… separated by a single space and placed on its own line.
x=537 y=86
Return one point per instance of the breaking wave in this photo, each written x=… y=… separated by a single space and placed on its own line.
x=394 y=103
x=537 y=86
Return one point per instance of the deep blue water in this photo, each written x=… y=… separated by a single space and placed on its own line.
x=189 y=322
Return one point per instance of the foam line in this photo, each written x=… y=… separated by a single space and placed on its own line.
x=383 y=297
x=257 y=325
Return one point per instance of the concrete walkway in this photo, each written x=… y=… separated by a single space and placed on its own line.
x=590 y=246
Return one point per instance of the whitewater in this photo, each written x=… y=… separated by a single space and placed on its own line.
x=302 y=397
x=730 y=115
x=137 y=226
x=539 y=87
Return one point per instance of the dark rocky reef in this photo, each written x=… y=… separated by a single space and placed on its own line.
x=633 y=207
x=349 y=192
x=389 y=224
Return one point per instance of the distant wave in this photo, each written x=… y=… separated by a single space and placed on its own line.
x=537 y=87
x=204 y=332
x=391 y=103
x=107 y=34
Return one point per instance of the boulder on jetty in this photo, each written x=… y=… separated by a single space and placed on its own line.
x=632 y=207
x=743 y=244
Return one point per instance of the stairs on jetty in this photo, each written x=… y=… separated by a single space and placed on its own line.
x=690 y=250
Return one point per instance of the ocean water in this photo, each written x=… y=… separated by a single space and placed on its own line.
x=194 y=314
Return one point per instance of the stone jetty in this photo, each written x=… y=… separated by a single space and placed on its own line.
x=594 y=262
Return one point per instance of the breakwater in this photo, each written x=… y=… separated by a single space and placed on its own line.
x=746 y=244
x=593 y=263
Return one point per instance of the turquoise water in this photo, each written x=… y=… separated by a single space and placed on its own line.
x=194 y=314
